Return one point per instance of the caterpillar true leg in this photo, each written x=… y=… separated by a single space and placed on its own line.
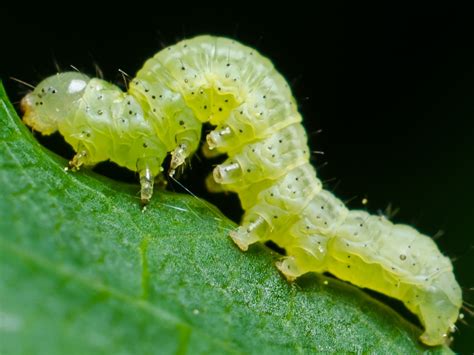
x=186 y=140
x=146 y=180
x=79 y=159
x=178 y=156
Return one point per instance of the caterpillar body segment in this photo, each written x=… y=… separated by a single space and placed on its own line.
x=371 y=252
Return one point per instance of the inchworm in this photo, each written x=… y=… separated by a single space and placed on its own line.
x=257 y=124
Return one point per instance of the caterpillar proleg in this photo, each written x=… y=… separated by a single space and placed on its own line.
x=258 y=126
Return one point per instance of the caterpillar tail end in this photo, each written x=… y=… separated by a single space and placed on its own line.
x=438 y=308
x=429 y=340
x=433 y=337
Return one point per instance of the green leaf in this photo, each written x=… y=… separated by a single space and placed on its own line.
x=84 y=270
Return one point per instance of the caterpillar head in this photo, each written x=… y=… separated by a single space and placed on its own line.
x=52 y=100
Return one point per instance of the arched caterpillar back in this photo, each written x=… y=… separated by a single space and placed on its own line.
x=217 y=80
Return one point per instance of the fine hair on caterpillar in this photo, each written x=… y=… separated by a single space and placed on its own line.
x=258 y=128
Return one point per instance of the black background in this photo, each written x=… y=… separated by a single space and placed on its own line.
x=393 y=95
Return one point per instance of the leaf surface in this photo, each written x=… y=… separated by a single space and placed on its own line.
x=84 y=270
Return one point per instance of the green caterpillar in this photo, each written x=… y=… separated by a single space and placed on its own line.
x=257 y=124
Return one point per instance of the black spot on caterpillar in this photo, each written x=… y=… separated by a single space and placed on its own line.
x=258 y=126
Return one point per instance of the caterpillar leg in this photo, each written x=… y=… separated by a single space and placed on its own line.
x=145 y=171
x=251 y=231
x=178 y=156
x=217 y=137
x=79 y=159
x=289 y=268
x=227 y=173
x=437 y=311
